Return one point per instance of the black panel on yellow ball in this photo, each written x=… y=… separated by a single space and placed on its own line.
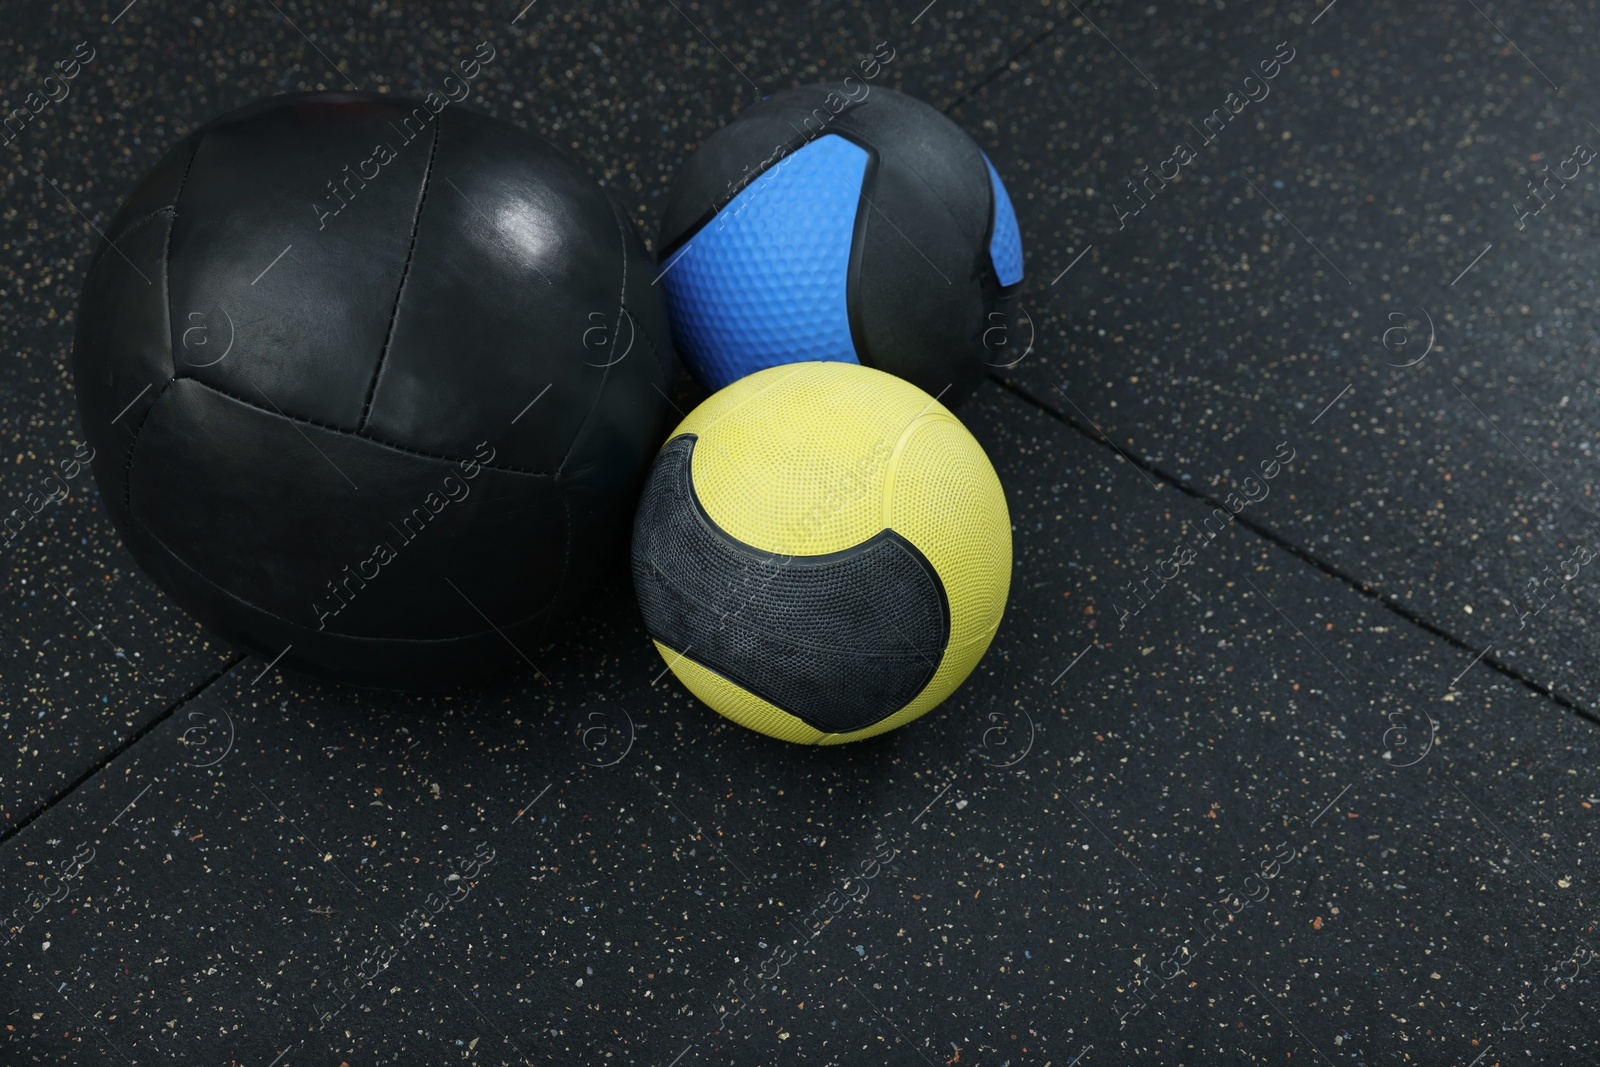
x=840 y=640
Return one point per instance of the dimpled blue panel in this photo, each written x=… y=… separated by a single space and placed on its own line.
x=763 y=283
x=1005 y=245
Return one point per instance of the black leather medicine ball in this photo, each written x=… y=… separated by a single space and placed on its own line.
x=372 y=383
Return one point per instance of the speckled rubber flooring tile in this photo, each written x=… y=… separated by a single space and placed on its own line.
x=1374 y=250
x=1277 y=810
x=644 y=880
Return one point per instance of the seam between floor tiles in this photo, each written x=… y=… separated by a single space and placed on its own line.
x=983 y=82
x=1365 y=589
x=127 y=743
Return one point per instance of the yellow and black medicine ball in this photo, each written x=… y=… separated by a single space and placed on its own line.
x=822 y=552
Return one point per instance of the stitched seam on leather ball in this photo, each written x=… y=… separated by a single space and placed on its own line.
x=605 y=372
x=366 y=437
x=405 y=273
x=654 y=351
x=127 y=470
x=566 y=551
x=166 y=253
x=100 y=253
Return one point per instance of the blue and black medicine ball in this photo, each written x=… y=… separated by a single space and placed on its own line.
x=845 y=223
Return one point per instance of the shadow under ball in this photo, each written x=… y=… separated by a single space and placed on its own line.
x=372 y=385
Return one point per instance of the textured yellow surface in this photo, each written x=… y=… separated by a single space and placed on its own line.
x=747 y=709
x=810 y=458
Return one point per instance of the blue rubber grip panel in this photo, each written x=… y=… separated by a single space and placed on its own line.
x=763 y=283
x=1005 y=245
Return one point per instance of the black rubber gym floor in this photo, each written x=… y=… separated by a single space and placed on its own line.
x=1322 y=797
